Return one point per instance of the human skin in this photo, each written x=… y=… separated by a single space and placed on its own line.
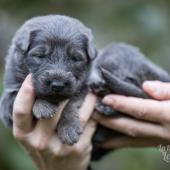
x=149 y=121
x=149 y=126
x=39 y=138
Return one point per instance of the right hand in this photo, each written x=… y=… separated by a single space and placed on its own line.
x=39 y=138
x=148 y=121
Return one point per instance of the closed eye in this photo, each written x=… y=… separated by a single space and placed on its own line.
x=133 y=81
x=34 y=55
x=77 y=58
x=76 y=55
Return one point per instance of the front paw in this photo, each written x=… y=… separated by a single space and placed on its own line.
x=69 y=133
x=43 y=109
x=105 y=110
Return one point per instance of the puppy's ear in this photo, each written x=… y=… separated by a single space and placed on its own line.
x=92 y=51
x=24 y=39
x=91 y=48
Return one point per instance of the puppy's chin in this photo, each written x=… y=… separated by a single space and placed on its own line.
x=54 y=97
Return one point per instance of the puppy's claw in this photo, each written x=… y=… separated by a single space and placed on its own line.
x=43 y=109
x=106 y=110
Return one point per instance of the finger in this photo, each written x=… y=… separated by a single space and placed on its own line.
x=22 y=110
x=126 y=141
x=158 y=90
x=44 y=129
x=87 y=108
x=35 y=156
x=56 y=147
x=84 y=145
x=90 y=128
x=145 y=109
x=131 y=127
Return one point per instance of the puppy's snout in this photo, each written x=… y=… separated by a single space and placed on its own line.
x=97 y=85
x=57 y=85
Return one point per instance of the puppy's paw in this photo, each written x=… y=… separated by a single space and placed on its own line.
x=43 y=109
x=70 y=133
x=105 y=110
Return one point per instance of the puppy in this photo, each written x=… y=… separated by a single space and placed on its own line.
x=120 y=69
x=57 y=50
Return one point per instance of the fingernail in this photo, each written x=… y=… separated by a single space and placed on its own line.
x=108 y=100
x=153 y=86
x=29 y=79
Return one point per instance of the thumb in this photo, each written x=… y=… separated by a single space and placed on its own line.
x=158 y=90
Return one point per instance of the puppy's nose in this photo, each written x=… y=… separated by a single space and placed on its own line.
x=97 y=85
x=57 y=85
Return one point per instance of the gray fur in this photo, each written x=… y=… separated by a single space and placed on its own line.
x=120 y=69
x=57 y=50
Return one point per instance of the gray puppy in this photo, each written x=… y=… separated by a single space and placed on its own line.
x=57 y=50
x=121 y=69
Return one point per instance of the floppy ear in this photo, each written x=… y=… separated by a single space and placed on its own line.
x=92 y=52
x=91 y=48
x=24 y=39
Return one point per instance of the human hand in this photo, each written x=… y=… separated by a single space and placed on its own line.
x=147 y=122
x=39 y=138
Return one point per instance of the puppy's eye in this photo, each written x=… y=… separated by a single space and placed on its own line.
x=78 y=57
x=38 y=55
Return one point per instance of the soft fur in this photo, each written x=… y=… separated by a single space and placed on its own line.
x=121 y=69
x=57 y=50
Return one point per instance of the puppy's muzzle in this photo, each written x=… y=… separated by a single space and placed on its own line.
x=57 y=81
x=58 y=85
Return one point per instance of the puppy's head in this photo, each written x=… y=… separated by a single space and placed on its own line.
x=57 y=50
x=104 y=60
x=118 y=59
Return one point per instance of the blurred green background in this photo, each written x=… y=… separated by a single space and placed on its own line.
x=144 y=23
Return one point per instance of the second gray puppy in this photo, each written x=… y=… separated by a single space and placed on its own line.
x=121 y=69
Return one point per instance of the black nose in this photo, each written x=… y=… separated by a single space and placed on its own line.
x=97 y=85
x=57 y=85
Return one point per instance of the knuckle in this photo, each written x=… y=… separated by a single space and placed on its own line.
x=18 y=110
x=79 y=149
x=165 y=113
x=118 y=105
x=28 y=89
x=17 y=134
x=166 y=93
x=132 y=131
x=83 y=119
x=39 y=146
x=142 y=113
x=166 y=117
x=165 y=135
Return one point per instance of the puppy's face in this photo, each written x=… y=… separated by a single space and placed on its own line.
x=96 y=80
x=59 y=61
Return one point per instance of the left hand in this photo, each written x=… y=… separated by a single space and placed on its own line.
x=39 y=137
x=149 y=121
